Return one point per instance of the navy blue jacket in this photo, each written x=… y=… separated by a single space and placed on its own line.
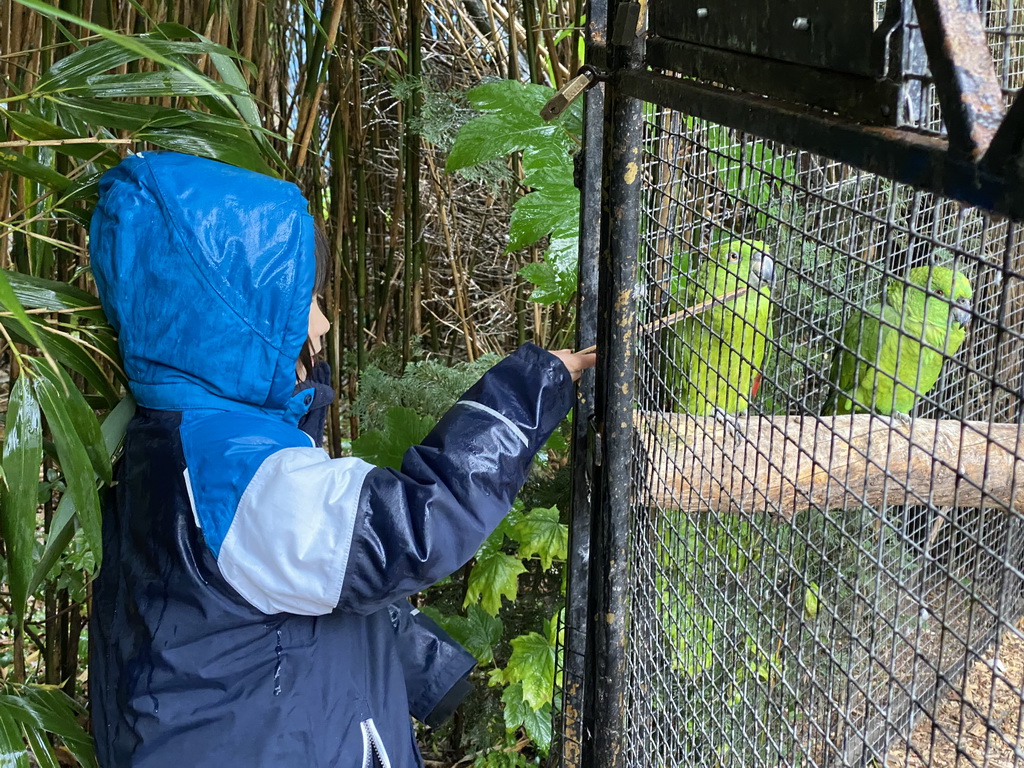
x=246 y=612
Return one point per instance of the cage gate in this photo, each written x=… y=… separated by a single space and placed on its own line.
x=797 y=536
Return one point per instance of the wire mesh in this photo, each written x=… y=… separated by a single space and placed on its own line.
x=829 y=636
x=826 y=553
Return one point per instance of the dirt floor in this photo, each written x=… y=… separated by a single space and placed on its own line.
x=980 y=728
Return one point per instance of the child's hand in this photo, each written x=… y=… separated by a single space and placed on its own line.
x=575 y=361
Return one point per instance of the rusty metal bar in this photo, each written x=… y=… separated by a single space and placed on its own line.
x=1004 y=153
x=589 y=171
x=865 y=99
x=965 y=78
x=903 y=155
x=606 y=659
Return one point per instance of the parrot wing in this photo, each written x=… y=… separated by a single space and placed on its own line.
x=857 y=355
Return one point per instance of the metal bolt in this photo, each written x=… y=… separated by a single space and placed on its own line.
x=702 y=13
x=801 y=23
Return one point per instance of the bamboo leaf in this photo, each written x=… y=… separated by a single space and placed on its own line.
x=117 y=49
x=62 y=528
x=34 y=128
x=74 y=461
x=39 y=293
x=20 y=165
x=49 y=709
x=66 y=350
x=144 y=85
x=83 y=420
x=41 y=749
x=22 y=455
x=232 y=145
x=9 y=301
x=13 y=753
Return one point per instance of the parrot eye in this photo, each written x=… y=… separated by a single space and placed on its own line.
x=941 y=292
x=733 y=256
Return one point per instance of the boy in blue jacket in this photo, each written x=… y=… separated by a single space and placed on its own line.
x=250 y=609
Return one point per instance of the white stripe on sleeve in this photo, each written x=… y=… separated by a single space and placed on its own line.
x=500 y=417
x=288 y=544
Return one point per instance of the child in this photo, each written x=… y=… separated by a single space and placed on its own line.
x=250 y=609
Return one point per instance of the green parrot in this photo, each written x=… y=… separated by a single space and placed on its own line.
x=719 y=353
x=883 y=366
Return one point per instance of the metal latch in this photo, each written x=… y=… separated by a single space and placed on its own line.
x=568 y=93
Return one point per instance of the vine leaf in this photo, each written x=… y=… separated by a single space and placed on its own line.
x=477 y=632
x=541 y=533
x=533 y=664
x=494 y=574
x=519 y=712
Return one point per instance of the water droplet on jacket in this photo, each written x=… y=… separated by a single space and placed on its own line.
x=277 y=666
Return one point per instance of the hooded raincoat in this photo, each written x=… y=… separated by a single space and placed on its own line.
x=245 y=613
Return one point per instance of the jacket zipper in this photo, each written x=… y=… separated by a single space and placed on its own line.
x=373 y=749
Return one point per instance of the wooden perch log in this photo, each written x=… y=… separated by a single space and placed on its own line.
x=785 y=464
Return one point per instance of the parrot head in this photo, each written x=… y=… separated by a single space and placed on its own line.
x=735 y=264
x=923 y=285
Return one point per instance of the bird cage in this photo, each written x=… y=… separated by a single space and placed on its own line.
x=797 y=535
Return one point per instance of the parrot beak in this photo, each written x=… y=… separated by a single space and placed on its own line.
x=962 y=312
x=762 y=270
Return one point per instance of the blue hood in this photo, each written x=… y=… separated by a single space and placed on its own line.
x=206 y=272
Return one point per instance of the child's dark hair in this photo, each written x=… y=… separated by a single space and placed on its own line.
x=322 y=256
x=322 y=253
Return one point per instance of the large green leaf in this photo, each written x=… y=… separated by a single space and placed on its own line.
x=494 y=575
x=533 y=664
x=39 y=293
x=231 y=75
x=477 y=632
x=74 y=458
x=66 y=350
x=190 y=131
x=511 y=122
x=541 y=533
x=227 y=143
x=62 y=528
x=519 y=713
x=22 y=455
x=9 y=301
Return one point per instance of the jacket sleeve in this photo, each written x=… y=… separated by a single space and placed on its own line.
x=298 y=532
x=416 y=526
x=435 y=666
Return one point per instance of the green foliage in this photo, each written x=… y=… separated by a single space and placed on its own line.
x=477 y=631
x=427 y=387
x=494 y=575
x=401 y=407
x=28 y=715
x=540 y=532
x=402 y=429
x=511 y=123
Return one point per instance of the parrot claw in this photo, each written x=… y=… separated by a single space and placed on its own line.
x=731 y=422
x=900 y=421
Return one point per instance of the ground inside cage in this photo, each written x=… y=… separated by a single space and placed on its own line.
x=978 y=722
